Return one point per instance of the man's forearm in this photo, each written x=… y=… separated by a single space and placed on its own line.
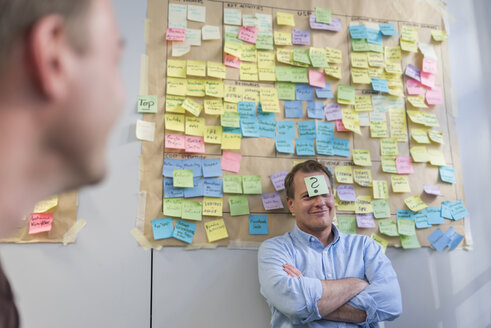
x=336 y=293
x=347 y=313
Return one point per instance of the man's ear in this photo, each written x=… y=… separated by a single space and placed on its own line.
x=289 y=201
x=48 y=53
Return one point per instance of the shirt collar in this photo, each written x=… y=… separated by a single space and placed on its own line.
x=311 y=240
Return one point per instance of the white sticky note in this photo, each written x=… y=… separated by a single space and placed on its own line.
x=177 y=15
x=210 y=32
x=193 y=37
x=232 y=16
x=427 y=50
x=197 y=13
x=145 y=130
x=180 y=48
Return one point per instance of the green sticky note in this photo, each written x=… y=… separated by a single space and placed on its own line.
x=230 y=120
x=323 y=15
x=147 y=104
x=173 y=207
x=252 y=184
x=381 y=208
x=183 y=178
x=283 y=73
x=239 y=205
x=346 y=92
x=286 y=91
x=318 y=57
x=347 y=224
x=406 y=227
x=264 y=42
x=410 y=242
x=375 y=47
x=388 y=227
x=301 y=55
x=191 y=210
x=232 y=184
x=316 y=185
x=359 y=45
x=299 y=75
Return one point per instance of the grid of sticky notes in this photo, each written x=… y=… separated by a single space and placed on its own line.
x=282 y=72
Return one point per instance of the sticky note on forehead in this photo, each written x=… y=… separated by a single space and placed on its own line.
x=316 y=185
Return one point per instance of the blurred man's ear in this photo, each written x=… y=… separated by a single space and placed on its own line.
x=289 y=201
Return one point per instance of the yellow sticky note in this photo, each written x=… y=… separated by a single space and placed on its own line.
x=363 y=204
x=436 y=136
x=215 y=230
x=381 y=241
x=213 y=106
x=231 y=141
x=173 y=104
x=267 y=74
x=176 y=68
x=192 y=106
x=415 y=203
x=46 y=205
x=409 y=46
x=176 y=86
x=363 y=103
x=380 y=190
x=284 y=56
x=351 y=120
x=334 y=56
x=361 y=157
x=248 y=72
x=342 y=205
x=359 y=59
x=248 y=53
x=398 y=124
x=212 y=206
x=195 y=88
x=344 y=174
x=269 y=99
x=394 y=68
x=363 y=177
x=409 y=33
x=392 y=54
x=213 y=134
x=285 y=19
x=419 y=154
x=282 y=38
x=436 y=157
x=389 y=147
x=217 y=70
x=420 y=136
x=334 y=71
x=232 y=48
x=378 y=129
x=417 y=101
x=195 y=126
x=233 y=93
x=388 y=164
x=439 y=35
x=400 y=183
x=174 y=122
x=376 y=59
x=214 y=88
x=376 y=72
x=265 y=59
x=230 y=107
x=360 y=75
x=196 y=68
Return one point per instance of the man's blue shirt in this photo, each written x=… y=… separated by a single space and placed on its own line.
x=293 y=301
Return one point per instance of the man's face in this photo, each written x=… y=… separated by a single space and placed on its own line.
x=313 y=214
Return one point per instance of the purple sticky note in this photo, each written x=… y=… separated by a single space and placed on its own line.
x=333 y=112
x=301 y=37
x=346 y=193
x=272 y=201
x=334 y=26
x=432 y=190
x=278 y=180
x=365 y=220
x=413 y=72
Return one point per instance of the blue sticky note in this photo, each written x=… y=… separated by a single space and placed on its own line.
x=305 y=146
x=405 y=214
x=162 y=228
x=286 y=129
x=184 y=231
x=315 y=109
x=421 y=219
x=380 y=85
x=374 y=36
x=170 y=191
x=447 y=174
x=249 y=127
x=306 y=129
x=293 y=109
x=246 y=109
x=267 y=129
x=232 y=130
x=212 y=167
x=324 y=147
x=446 y=211
x=304 y=92
x=325 y=130
x=213 y=187
x=340 y=147
x=195 y=164
x=197 y=190
x=434 y=216
x=458 y=210
x=264 y=116
x=323 y=93
x=258 y=224
x=387 y=29
x=284 y=144
x=358 y=32
x=435 y=235
x=171 y=164
x=454 y=237
x=438 y=240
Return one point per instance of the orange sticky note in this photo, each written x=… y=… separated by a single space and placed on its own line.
x=40 y=222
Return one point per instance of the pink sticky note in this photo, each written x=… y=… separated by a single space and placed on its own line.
x=231 y=161
x=365 y=220
x=333 y=112
x=231 y=61
x=40 y=222
x=317 y=79
x=278 y=180
x=272 y=201
x=195 y=144
x=340 y=126
x=248 y=34
x=430 y=65
x=428 y=79
x=414 y=87
x=404 y=165
x=346 y=193
x=434 y=96
x=432 y=190
x=175 y=141
x=175 y=34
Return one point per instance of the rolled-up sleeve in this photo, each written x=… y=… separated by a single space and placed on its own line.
x=381 y=300
x=296 y=298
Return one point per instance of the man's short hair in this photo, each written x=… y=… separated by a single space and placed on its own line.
x=308 y=166
x=17 y=17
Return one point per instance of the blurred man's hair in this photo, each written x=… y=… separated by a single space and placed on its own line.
x=17 y=17
x=308 y=166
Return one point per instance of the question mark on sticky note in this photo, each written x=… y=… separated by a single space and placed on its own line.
x=316 y=185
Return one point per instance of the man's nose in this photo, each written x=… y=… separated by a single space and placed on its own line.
x=318 y=201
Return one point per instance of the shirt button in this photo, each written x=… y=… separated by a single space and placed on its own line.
x=329 y=275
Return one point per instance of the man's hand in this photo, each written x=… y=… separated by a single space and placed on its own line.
x=292 y=271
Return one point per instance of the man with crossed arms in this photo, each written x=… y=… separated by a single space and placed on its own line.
x=317 y=276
